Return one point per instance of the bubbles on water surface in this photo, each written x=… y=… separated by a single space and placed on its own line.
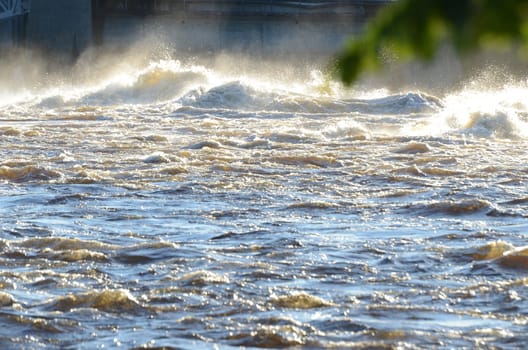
x=172 y=203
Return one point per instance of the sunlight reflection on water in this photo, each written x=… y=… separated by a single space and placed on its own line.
x=180 y=206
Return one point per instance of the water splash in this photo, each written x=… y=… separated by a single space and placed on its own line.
x=482 y=112
x=496 y=111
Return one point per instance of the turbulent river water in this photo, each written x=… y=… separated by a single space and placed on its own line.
x=174 y=205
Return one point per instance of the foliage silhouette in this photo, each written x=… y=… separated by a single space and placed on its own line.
x=410 y=29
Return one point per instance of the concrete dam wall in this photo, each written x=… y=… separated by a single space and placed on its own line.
x=60 y=25
x=265 y=27
x=193 y=26
x=13 y=19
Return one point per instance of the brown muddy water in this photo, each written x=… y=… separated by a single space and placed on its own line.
x=170 y=205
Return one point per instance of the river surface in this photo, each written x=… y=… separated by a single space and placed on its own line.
x=176 y=205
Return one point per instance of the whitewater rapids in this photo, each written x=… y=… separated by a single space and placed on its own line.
x=173 y=205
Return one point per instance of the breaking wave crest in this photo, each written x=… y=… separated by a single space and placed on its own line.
x=242 y=95
x=299 y=301
x=159 y=82
x=405 y=103
x=116 y=301
x=454 y=208
x=502 y=124
x=503 y=254
x=501 y=113
x=27 y=173
x=498 y=113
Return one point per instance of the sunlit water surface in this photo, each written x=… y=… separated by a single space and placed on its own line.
x=172 y=205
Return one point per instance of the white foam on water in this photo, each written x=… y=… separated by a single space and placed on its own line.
x=497 y=113
x=165 y=84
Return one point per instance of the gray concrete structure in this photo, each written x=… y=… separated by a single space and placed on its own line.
x=13 y=17
x=8 y=33
x=269 y=27
x=60 y=26
x=265 y=27
x=272 y=37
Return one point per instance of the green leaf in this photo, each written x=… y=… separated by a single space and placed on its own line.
x=415 y=29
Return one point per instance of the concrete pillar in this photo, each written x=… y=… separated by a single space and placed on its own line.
x=62 y=27
x=6 y=35
x=12 y=33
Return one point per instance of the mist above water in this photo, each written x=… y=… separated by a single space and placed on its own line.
x=484 y=102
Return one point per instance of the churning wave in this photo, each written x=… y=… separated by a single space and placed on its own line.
x=500 y=124
x=241 y=96
x=197 y=86
x=152 y=86
x=501 y=114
